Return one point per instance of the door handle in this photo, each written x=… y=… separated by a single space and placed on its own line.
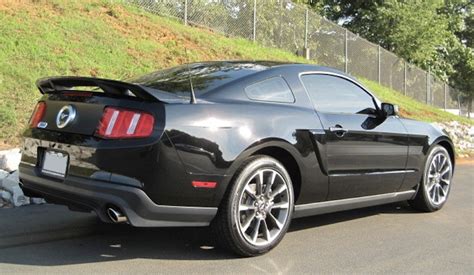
x=338 y=130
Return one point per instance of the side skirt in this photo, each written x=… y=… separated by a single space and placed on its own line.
x=310 y=209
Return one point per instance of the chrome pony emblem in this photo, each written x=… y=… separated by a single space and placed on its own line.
x=65 y=116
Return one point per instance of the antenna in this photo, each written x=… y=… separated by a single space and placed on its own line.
x=193 y=95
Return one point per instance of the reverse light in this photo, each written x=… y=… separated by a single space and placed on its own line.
x=38 y=114
x=123 y=123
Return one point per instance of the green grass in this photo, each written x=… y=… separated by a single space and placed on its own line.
x=96 y=38
x=45 y=38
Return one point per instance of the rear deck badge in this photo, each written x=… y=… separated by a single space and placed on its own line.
x=42 y=124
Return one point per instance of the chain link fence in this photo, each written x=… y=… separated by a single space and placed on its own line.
x=326 y=42
x=292 y=27
x=392 y=71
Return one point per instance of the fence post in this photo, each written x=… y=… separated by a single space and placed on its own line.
x=428 y=82
x=379 y=76
x=280 y=23
x=346 y=57
x=445 y=96
x=306 y=19
x=404 y=77
x=254 y=30
x=185 y=12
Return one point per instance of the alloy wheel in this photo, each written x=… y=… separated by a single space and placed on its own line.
x=263 y=207
x=438 y=179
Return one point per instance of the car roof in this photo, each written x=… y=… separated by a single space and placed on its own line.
x=290 y=71
x=208 y=78
x=269 y=65
x=258 y=66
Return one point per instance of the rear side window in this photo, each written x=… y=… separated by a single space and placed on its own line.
x=274 y=89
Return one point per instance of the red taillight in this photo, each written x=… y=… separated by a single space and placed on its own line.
x=121 y=123
x=38 y=114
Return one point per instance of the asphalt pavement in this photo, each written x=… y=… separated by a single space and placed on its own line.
x=384 y=239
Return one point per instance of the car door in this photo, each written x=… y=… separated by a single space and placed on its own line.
x=365 y=152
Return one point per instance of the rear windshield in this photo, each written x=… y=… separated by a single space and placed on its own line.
x=205 y=77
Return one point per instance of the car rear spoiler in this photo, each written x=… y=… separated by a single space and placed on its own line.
x=67 y=83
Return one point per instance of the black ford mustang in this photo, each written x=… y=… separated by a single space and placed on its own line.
x=241 y=146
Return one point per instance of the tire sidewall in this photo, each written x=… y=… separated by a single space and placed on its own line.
x=434 y=151
x=239 y=184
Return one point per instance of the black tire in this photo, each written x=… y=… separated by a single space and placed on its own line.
x=422 y=199
x=227 y=226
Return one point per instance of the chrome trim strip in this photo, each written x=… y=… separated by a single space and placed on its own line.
x=317 y=131
x=374 y=173
x=317 y=208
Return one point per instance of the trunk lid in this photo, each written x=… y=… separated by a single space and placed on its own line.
x=88 y=97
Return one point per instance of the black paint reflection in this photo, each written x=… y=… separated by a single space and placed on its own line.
x=372 y=122
x=199 y=147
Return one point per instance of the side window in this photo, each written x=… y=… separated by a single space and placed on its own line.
x=334 y=94
x=274 y=89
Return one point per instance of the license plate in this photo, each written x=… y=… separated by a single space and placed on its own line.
x=55 y=163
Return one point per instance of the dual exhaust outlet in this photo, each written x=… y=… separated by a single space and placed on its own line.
x=116 y=215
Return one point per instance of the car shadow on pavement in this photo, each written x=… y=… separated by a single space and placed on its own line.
x=122 y=242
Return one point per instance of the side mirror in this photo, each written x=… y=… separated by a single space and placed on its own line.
x=389 y=109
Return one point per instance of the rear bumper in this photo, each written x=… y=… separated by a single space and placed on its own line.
x=97 y=195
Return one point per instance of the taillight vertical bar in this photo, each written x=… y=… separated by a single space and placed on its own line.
x=113 y=119
x=133 y=124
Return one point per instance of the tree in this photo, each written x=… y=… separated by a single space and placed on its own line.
x=467 y=35
x=436 y=34
x=460 y=14
x=463 y=77
x=461 y=19
x=352 y=13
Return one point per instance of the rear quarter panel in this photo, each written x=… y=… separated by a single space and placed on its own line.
x=212 y=141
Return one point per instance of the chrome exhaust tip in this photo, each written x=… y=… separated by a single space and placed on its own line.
x=116 y=216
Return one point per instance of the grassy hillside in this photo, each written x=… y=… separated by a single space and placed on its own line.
x=97 y=38
x=411 y=108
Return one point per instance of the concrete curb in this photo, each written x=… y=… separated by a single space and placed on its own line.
x=44 y=223
x=44 y=236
